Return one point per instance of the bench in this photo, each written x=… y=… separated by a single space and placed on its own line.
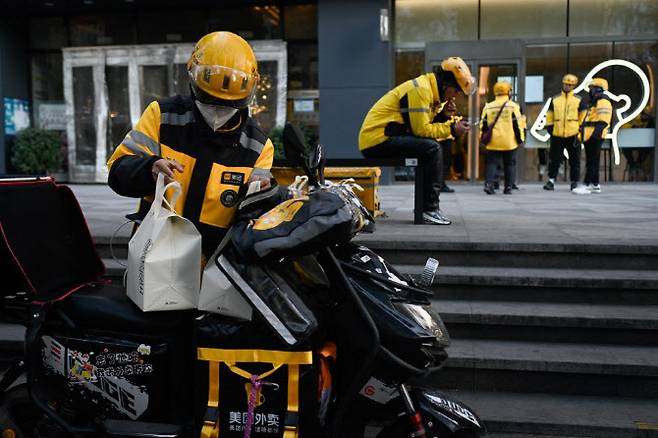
x=380 y=162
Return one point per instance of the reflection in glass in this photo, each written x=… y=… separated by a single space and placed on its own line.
x=265 y=105
x=118 y=124
x=523 y=19
x=84 y=105
x=430 y=20
x=154 y=83
x=613 y=17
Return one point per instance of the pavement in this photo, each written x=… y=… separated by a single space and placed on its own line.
x=623 y=214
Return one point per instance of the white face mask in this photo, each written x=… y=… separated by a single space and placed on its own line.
x=215 y=116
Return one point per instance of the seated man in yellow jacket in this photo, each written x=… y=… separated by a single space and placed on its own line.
x=593 y=130
x=562 y=123
x=508 y=133
x=400 y=124
x=206 y=141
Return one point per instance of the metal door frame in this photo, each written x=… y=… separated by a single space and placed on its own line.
x=477 y=54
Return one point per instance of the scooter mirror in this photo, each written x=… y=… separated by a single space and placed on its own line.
x=316 y=160
x=293 y=143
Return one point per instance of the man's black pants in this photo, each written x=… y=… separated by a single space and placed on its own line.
x=556 y=152
x=509 y=163
x=428 y=152
x=592 y=160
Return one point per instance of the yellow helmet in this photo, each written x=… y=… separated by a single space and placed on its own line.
x=599 y=82
x=570 y=79
x=223 y=70
x=461 y=72
x=502 y=87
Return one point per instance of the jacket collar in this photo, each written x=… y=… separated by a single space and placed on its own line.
x=434 y=86
x=501 y=98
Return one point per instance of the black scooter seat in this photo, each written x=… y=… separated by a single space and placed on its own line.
x=106 y=307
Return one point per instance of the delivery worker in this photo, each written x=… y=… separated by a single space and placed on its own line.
x=563 y=123
x=206 y=141
x=594 y=128
x=508 y=133
x=400 y=124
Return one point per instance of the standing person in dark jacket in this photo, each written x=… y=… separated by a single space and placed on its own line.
x=206 y=141
x=563 y=123
x=594 y=129
x=400 y=124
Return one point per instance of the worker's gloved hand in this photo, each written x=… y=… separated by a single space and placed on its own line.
x=167 y=167
x=264 y=182
x=460 y=128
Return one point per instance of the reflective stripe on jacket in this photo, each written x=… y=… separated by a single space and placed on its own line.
x=509 y=130
x=564 y=115
x=600 y=113
x=216 y=163
x=408 y=109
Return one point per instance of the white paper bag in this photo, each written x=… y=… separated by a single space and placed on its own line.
x=164 y=257
x=218 y=295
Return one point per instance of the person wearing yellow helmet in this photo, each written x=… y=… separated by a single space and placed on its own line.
x=503 y=118
x=563 y=122
x=402 y=124
x=206 y=140
x=592 y=132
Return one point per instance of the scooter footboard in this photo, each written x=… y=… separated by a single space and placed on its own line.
x=443 y=414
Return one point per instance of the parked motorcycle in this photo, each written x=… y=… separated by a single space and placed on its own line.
x=95 y=365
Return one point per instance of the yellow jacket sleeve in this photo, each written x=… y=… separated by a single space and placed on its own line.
x=266 y=157
x=420 y=103
x=520 y=120
x=144 y=139
x=549 y=115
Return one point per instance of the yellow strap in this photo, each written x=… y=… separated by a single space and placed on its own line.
x=271 y=356
x=247 y=375
x=293 y=399
x=210 y=429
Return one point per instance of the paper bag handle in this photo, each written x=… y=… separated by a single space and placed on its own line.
x=161 y=189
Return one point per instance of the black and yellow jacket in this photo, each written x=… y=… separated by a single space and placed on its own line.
x=597 y=119
x=509 y=131
x=216 y=164
x=565 y=115
x=407 y=109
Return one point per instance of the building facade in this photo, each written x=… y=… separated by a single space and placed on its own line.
x=87 y=68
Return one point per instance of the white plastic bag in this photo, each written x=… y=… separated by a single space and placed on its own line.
x=164 y=257
x=218 y=295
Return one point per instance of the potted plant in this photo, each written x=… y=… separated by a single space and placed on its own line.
x=37 y=151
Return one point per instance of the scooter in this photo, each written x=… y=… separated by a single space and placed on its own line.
x=95 y=365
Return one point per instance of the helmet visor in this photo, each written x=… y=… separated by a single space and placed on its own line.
x=467 y=84
x=224 y=82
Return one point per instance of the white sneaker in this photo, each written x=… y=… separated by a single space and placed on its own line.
x=436 y=217
x=596 y=188
x=581 y=190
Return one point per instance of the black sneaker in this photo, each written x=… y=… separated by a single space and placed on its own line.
x=446 y=189
x=549 y=186
x=489 y=189
x=508 y=190
x=574 y=185
x=436 y=217
x=515 y=187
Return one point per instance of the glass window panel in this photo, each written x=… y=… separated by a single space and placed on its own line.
x=638 y=147
x=118 y=124
x=583 y=57
x=84 y=115
x=408 y=65
x=523 y=19
x=301 y=22
x=181 y=80
x=164 y=26
x=154 y=83
x=265 y=105
x=613 y=17
x=47 y=77
x=97 y=30
x=549 y=62
x=302 y=65
x=431 y=20
x=48 y=33
x=252 y=23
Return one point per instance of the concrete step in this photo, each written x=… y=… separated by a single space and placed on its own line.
x=521 y=415
x=501 y=254
x=565 y=368
x=551 y=322
x=541 y=277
